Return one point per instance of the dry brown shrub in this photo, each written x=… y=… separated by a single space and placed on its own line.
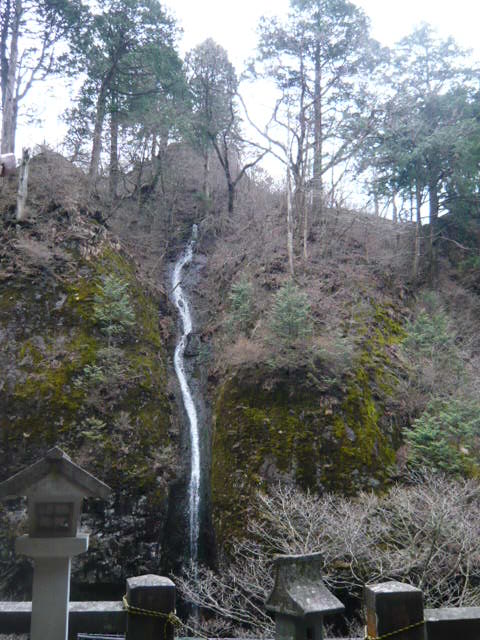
x=55 y=182
x=245 y=351
x=33 y=250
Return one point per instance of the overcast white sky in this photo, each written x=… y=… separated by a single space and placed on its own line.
x=233 y=23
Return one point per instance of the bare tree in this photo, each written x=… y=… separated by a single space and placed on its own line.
x=29 y=33
x=424 y=533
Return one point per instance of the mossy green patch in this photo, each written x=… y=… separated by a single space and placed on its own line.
x=274 y=424
x=53 y=397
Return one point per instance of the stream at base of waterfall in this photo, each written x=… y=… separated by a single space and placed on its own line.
x=181 y=302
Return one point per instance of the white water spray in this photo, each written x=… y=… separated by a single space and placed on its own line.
x=181 y=302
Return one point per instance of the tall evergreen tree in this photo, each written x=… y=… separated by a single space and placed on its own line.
x=426 y=146
x=213 y=86
x=317 y=60
x=216 y=122
x=127 y=52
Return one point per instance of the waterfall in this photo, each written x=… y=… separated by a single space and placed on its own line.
x=181 y=303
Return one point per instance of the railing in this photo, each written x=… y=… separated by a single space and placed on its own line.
x=298 y=602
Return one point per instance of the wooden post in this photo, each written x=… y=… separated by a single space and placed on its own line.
x=23 y=186
x=392 y=606
x=152 y=594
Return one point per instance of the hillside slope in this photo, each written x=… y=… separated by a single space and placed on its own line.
x=315 y=381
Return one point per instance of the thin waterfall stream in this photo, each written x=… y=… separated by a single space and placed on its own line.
x=181 y=302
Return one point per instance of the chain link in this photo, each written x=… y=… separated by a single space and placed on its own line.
x=394 y=633
x=168 y=617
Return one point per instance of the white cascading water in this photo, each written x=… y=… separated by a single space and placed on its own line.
x=181 y=302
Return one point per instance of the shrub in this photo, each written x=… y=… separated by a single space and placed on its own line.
x=425 y=534
x=336 y=352
x=93 y=429
x=430 y=335
x=112 y=307
x=290 y=317
x=109 y=369
x=92 y=375
x=241 y=305
x=431 y=350
x=446 y=437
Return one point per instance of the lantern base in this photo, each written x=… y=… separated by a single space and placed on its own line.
x=52 y=547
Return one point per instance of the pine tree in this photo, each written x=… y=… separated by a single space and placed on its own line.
x=113 y=309
x=290 y=318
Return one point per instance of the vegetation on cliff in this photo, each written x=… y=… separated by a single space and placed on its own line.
x=84 y=360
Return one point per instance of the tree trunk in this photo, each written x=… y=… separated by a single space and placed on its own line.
x=23 y=186
x=290 y=222
x=97 y=138
x=433 y=218
x=113 y=178
x=223 y=157
x=376 y=204
x=317 y=130
x=98 y=128
x=231 y=196
x=394 y=207
x=206 y=177
x=418 y=229
x=5 y=17
x=305 y=230
x=9 y=106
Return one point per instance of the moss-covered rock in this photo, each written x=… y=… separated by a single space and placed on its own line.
x=279 y=424
x=102 y=398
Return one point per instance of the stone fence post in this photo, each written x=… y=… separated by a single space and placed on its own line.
x=394 y=607
x=299 y=599
x=150 y=600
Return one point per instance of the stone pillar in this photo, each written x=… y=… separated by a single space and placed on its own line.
x=155 y=594
x=290 y=628
x=392 y=606
x=299 y=599
x=50 y=597
x=51 y=582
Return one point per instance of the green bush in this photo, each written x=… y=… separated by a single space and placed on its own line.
x=92 y=375
x=431 y=350
x=431 y=333
x=93 y=429
x=290 y=317
x=112 y=307
x=109 y=369
x=241 y=305
x=446 y=437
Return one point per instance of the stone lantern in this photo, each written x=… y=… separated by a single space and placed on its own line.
x=55 y=488
x=299 y=598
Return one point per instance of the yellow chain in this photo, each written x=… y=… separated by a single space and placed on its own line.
x=169 y=617
x=394 y=633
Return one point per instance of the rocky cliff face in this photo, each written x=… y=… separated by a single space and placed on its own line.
x=323 y=407
x=305 y=426
x=84 y=366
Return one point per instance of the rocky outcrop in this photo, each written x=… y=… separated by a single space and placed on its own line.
x=79 y=374
x=307 y=426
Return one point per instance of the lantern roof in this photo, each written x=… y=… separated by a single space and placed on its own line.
x=58 y=463
x=299 y=589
